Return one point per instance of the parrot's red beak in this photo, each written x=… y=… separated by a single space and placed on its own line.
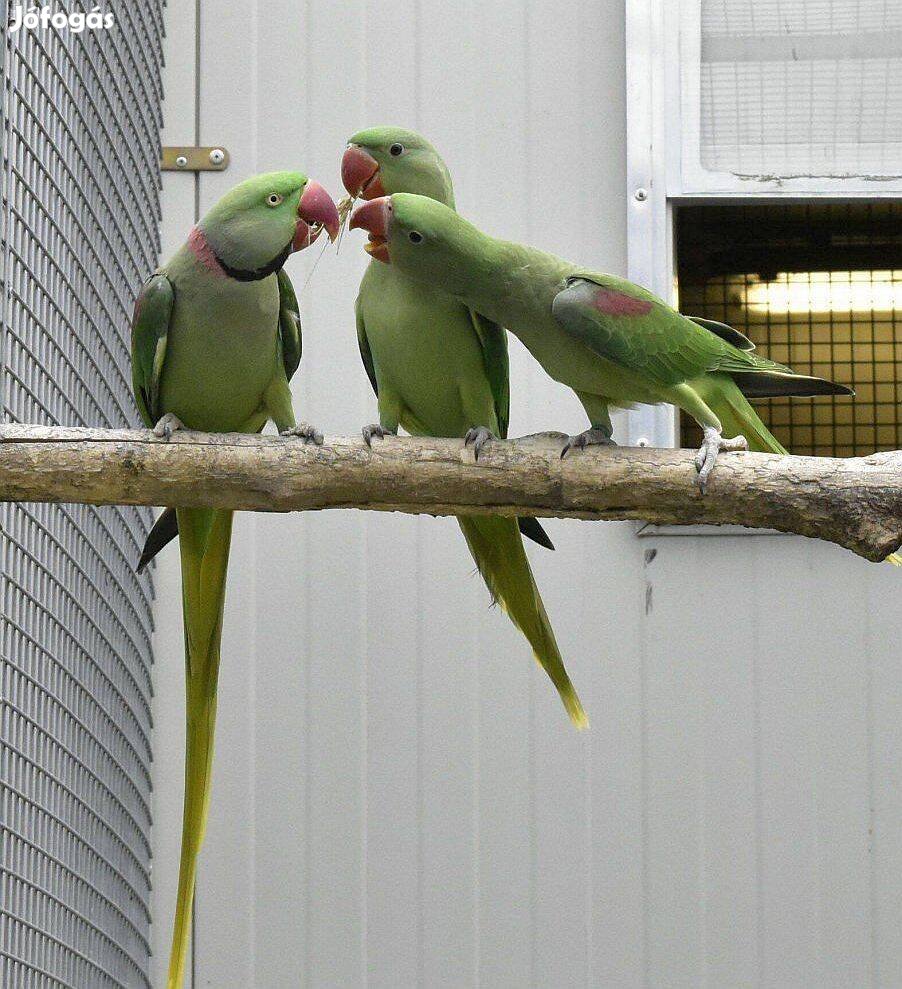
x=316 y=212
x=360 y=174
x=374 y=217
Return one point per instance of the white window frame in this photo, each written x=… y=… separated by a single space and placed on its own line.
x=663 y=78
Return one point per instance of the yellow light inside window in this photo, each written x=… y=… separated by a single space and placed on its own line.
x=827 y=291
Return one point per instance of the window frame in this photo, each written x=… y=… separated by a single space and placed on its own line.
x=663 y=76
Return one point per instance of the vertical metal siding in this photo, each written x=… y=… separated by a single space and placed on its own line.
x=80 y=234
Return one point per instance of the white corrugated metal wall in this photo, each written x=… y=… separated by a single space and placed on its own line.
x=399 y=800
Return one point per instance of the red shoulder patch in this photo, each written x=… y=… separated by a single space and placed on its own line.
x=613 y=303
x=201 y=249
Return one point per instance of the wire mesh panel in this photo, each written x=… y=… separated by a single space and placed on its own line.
x=801 y=87
x=80 y=233
x=817 y=286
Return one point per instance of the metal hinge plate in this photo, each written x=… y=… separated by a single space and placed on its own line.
x=191 y=159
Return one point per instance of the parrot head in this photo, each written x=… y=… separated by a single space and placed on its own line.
x=383 y=160
x=256 y=225
x=421 y=236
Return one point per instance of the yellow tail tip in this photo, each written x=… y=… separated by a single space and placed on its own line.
x=895 y=559
x=575 y=711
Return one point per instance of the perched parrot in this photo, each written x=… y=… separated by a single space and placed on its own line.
x=612 y=342
x=438 y=368
x=216 y=336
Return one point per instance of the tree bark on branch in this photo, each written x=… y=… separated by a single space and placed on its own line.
x=856 y=503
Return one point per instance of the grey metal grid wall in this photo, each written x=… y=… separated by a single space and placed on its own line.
x=82 y=116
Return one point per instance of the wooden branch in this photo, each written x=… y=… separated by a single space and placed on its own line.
x=856 y=503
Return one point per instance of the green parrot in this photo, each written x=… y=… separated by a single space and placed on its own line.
x=439 y=368
x=614 y=343
x=216 y=336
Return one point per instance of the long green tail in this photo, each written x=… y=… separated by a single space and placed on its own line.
x=497 y=548
x=736 y=415
x=204 y=540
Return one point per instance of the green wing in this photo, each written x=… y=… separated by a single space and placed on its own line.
x=366 y=355
x=629 y=326
x=150 y=331
x=493 y=340
x=289 y=325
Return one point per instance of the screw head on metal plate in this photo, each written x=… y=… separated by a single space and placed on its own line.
x=190 y=158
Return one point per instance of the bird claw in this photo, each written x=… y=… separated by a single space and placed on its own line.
x=478 y=436
x=308 y=433
x=374 y=429
x=706 y=457
x=167 y=425
x=589 y=437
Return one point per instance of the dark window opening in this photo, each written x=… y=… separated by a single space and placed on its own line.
x=817 y=286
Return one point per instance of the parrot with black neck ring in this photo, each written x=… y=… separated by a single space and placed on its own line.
x=216 y=337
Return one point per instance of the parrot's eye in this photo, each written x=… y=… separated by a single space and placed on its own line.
x=396 y=149
x=273 y=199
x=415 y=237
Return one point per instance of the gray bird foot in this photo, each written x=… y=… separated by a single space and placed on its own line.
x=478 y=436
x=591 y=437
x=168 y=425
x=706 y=457
x=308 y=433
x=374 y=429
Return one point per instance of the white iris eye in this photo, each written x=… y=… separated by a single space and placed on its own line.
x=415 y=237
x=396 y=149
x=273 y=199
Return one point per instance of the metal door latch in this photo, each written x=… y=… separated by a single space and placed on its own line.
x=190 y=159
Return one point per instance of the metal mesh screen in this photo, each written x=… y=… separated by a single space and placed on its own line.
x=817 y=286
x=80 y=212
x=801 y=87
